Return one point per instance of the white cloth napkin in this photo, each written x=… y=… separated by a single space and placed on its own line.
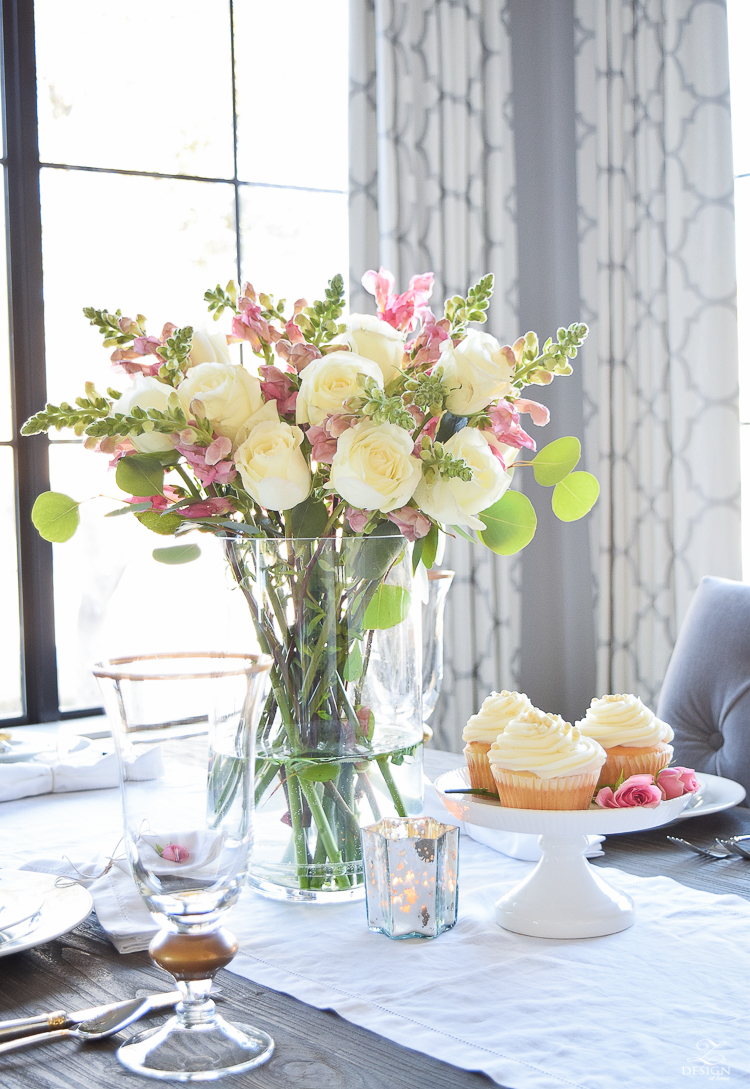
x=118 y=904
x=89 y=769
x=520 y=845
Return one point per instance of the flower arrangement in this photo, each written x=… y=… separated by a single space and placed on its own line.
x=404 y=417
x=343 y=448
x=645 y=790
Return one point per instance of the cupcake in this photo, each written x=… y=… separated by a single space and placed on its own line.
x=483 y=728
x=635 y=740
x=542 y=762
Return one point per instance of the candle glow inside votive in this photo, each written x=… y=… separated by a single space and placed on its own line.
x=411 y=876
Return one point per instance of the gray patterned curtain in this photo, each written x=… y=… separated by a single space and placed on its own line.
x=432 y=189
x=657 y=280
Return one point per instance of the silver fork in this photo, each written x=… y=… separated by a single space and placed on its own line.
x=733 y=843
x=703 y=851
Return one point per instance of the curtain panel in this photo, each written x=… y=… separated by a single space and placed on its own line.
x=432 y=178
x=657 y=281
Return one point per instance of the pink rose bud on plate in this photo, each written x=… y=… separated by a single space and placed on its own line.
x=676 y=781
x=636 y=790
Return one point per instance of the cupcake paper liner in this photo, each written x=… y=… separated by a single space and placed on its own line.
x=480 y=772
x=522 y=790
x=632 y=761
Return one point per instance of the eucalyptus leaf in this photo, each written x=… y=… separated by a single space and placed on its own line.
x=354 y=663
x=185 y=553
x=164 y=524
x=140 y=475
x=431 y=542
x=388 y=606
x=318 y=773
x=575 y=496
x=511 y=524
x=308 y=519
x=416 y=553
x=55 y=516
x=378 y=552
x=555 y=461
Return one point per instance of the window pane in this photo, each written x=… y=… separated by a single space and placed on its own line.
x=111 y=597
x=293 y=242
x=301 y=80
x=137 y=86
x=10 y=629
x=6 y=405
x=142 y=245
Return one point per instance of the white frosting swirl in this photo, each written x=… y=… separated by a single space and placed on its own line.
x=547 y=746
x=495 y=714
x=624 y=720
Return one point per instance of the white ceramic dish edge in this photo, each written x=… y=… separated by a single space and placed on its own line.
x=63 y=909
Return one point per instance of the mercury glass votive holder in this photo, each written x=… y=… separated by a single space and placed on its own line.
x=411 y=876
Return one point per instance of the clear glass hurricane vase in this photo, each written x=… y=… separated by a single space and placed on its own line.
x=188 y=836
x=439 y=581
x=340 y=735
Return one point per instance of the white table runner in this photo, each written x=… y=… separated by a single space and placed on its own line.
x=665 y=1000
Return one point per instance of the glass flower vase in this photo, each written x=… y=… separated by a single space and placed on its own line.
x=340 y=735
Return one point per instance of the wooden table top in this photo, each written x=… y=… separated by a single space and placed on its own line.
x=315 y=1049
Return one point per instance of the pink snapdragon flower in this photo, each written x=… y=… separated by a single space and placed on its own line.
x=143 y=357
x=637 y=790
x=429 y=344
x=675 y=781
x=412 y=523
x=206 y=508
x=405 y=311
x=158 y=502
x=539 y=413
x=250 y=325
x=505 y=424
x=211 y=464
x=278 y=386
x=297 y=355
x=358 y=519
x=323 y=446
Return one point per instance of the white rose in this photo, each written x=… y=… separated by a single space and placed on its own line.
x=373 y=467
x=477 y=372
x=146 y=393
x=272 y=466
x=328 y=382
x=377 y=340
x=209 y=348
x=229 y=395
x=455 y=502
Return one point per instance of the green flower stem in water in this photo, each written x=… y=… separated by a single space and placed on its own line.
x=364 y=781
x=324 y=830
x=265 y=773
x=385 y=770
x=298 y=832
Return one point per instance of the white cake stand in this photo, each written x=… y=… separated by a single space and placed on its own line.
x=564 y=897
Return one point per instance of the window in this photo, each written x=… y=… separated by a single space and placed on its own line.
x=154 y=149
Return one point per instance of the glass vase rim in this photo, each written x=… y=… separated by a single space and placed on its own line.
x=256 y=663
x=259 y=537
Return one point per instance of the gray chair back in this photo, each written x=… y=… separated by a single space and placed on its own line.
x=706 y=692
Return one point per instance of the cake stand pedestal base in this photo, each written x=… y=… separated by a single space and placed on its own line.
x=564 y=897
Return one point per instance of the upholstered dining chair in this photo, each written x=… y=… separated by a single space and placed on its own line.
x=706 y=692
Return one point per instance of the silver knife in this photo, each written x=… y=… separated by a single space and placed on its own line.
x=60 y=1019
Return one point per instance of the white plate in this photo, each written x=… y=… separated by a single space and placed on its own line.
x=18 y=903
x=489 y=813
x=31 y=745
x=715 y=794
x=62 y=909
